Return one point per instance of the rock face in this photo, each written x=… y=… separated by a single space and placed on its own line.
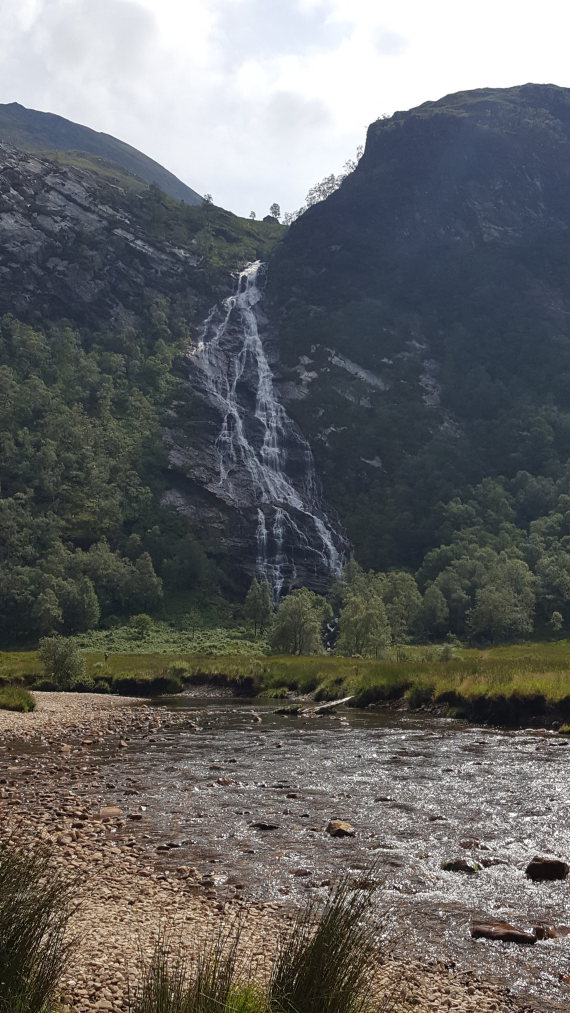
x=73 y=250
x=423 y=312
x=250 y=456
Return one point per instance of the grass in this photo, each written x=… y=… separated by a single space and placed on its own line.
x=35 y=906
x=16 y=698
x=321 y=965
x=503 y=685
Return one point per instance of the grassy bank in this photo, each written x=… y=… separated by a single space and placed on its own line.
x=514 y=685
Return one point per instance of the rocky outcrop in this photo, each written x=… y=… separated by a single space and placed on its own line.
x=73 y=249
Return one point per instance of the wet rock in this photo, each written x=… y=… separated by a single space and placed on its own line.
x=135 y=816
x=225 y=781
x=460 y=865
x=340 y=828
x=502 y=932
x=300 y=872
x=541 y=869
x=551 y=931
x=261 y=825
x=294 y=794
x=488 y=863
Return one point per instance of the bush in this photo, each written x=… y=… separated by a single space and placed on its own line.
x=147 y=685
x=62 y=662
x=35 y=905
x=16 y=698
x=323 y=962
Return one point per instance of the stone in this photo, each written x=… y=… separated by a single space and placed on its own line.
x=460 y=865
x=551 y=931
x=541 y=869
x=502 y=932
x=110 y=811
x=340 y=828
x=261 y=825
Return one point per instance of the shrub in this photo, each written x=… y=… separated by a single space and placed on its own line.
x=35 y=905
x=16 y=698
x=323 y=962
x=62 y=662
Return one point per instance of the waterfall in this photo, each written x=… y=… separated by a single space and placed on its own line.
x=264 y=461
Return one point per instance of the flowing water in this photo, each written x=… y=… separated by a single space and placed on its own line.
x=413 y=788
x=264 y=459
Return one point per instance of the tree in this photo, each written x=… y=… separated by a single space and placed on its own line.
x=252 y=215
x=141 y=625
x=61 y=661
x=208 y=199
x=364 y=627
x=275 y=211
x=403 y=604
x=435 y=612
x=504 y=606
x=556 y=621
x=258 y=607
x=297 y=626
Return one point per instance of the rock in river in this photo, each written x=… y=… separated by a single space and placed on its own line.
x=502 y=932
x=546 y=869
x=340 y=828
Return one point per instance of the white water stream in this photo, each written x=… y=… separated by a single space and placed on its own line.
x=253 y=443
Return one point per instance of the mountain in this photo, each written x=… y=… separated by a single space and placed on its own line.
x=395 y=381
x=104 y=288
x=30 y=130
x=422 y=316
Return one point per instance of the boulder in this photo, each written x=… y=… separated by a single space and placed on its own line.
x=261 y=825
x=110 y=812
x=340 y=828
x=541 y=869
x=502 y=932
x=551 y=931
x=460 y=865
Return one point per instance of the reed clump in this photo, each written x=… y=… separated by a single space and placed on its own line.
x=35 y=907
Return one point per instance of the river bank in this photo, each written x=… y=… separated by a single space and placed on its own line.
x=54 y=786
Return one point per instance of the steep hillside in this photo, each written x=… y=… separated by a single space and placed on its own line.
x=30 y=130
x=102 y=291
x=423 y=319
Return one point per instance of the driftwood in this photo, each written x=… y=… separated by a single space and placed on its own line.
x=298 y=711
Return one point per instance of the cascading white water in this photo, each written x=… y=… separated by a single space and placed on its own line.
x=252 y=443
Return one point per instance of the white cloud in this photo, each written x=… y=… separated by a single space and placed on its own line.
x=255 y=100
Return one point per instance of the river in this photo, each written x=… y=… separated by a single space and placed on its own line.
x=417 y=790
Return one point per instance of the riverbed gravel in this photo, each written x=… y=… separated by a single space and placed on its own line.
x=53 y=788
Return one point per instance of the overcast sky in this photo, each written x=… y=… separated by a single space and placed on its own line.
x=256 y=100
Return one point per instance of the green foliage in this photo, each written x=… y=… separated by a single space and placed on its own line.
x=62 y=663
x=364 y=627
x=258 y=606
x=16 y=698
x=141 y=625
x=35 y=906
x=322 y=965
x=297 y=626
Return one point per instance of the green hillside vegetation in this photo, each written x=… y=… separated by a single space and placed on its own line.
x=83 y=537
x=46 y=133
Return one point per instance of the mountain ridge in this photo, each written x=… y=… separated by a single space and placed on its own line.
x=33 y=130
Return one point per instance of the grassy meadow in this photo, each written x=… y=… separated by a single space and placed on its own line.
x=503 y=685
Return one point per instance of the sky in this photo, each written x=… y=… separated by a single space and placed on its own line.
x=254 y=101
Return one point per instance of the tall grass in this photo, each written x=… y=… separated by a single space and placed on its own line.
x=170 y=984
x=323 y=963
x=16 y=698
x=35 y=906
